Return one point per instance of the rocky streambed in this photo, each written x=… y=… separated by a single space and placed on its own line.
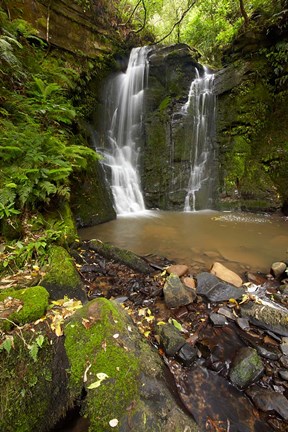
x=140 y=343
x=223 y=336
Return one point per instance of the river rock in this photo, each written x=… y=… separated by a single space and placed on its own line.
x=208 y=396
x=247 y=367
x=278 y=268
x=268 y=400
x=187 y=354
x=226 y=275
x=177 y=269
x=127 y=379
x=218 y=320
x=189 y=282
x=211 y=287
x=170 y=339
x=268 y=316
x=256 y=279
x=176 y=294
x=284 y=346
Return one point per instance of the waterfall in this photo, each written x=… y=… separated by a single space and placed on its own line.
x=125 y=101
x=201 y=108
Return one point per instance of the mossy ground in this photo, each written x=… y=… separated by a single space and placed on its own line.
x=92 y=342
x=35 y=303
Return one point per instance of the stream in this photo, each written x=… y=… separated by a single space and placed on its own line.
x=243 y=241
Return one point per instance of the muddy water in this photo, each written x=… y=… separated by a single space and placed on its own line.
x=242 y=240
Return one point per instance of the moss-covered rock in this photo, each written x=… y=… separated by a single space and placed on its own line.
x=91 y=198
x=62 y=278
x=246 y=368
x=33 y=303
x=121 y=255
x=33 y=390
x=60 y=219
x=101 y=339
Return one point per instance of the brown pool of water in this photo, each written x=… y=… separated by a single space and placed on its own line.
x=242 y=240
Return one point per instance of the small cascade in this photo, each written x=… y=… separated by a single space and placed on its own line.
x=125 y=100
x=201 y=107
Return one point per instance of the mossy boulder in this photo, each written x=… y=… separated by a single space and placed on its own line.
x=121 y=255
x=31 y=305
x=33 y=393
x=62 y=278
x=246 y=368
x=91 y=198
x=60 y=219
x=101 y=339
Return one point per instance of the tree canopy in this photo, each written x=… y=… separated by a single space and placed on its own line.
x=206 y=25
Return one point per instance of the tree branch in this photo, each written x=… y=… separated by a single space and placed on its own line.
x=145 y=18
x=177 y=23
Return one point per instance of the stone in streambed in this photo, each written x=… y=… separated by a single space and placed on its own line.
x=187 y=354
x=176 y=294
x=215 y=290
x=226 y=275
x=218 y=320
x=189 y=282
x=268 y=400
x=267 y=316
x=170 y=339
x=177 y=269
x=278 y=268
x=247 y=367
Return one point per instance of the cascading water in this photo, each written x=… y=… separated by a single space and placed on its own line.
x=126 y=107
x=201 y=107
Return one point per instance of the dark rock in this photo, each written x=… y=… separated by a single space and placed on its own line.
x=187 y=354
x=171 y=339
x=209 y=286
x=176 y=294
x=247 y=367
x=268 y=316
x=267 y=353
x=268 y=400
x=218 y=320
x=87 y=268
x=208 y=396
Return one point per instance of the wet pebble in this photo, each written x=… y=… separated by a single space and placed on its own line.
x=218 y=320
x=247 y=367
x=243 y=323
x=177 y=269
x=176 y=294
x=284 y=361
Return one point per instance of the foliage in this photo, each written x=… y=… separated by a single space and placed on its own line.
x=38 y=151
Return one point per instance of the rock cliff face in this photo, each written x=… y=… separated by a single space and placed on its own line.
x=166 y=152
x=66 y=25
x=252 y=119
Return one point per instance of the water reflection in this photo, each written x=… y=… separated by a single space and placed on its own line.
x=199 y=238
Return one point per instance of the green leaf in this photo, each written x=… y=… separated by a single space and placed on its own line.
x=33 y=351
x=40 y=340
x=7 y=344
x=176 y=324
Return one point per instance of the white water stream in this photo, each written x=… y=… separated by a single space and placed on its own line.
x=201 y=105
x=126 y=107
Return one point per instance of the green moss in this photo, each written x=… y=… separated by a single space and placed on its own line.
x=32 y=397
x=96 y=345
x=35 y=302
x=62 y=277
x=61 y=220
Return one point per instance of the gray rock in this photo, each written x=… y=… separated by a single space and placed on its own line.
x=283 y=374
x=284 y=361
x=284 y=348
x=218 y=320
x=247 y=367
x=278 y=268
x=227 y=313
x=243 y=323
x=171 y=339
x=268 y=400
x=267 y=316
x=176 y=294
x=214 y=290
